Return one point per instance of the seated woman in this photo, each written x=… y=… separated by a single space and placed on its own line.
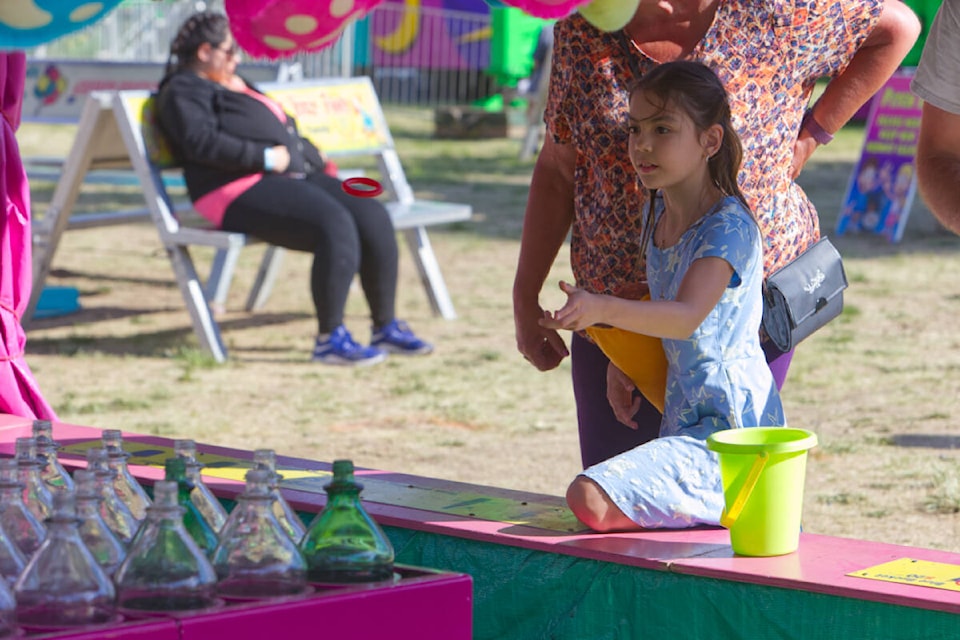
x=248 y=170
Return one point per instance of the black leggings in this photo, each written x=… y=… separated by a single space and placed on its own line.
x=346 y=235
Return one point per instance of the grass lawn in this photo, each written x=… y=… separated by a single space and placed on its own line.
x=884 y=374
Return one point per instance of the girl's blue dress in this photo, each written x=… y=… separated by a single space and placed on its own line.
x=717 y=379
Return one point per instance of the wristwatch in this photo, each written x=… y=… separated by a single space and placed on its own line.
x=816 y=131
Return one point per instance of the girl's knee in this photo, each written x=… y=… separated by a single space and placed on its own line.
x=594 y=508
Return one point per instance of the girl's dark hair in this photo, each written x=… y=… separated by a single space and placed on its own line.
x=696 y=89
x=206 y=26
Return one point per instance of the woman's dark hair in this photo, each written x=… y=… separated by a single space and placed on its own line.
x=200 y=28
x=696 y=89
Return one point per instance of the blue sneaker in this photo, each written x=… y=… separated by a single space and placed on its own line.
x=340 y=348
x=396 y=337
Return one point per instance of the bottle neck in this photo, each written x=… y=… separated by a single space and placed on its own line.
x=58 y=527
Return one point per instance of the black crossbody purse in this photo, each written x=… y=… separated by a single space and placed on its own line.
x=804 y=295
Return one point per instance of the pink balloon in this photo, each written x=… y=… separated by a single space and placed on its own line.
x=547 y=8
x=279 y=28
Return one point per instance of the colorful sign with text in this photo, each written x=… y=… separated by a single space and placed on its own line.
x=884 y=183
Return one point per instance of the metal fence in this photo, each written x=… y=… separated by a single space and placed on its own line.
x=445 y=61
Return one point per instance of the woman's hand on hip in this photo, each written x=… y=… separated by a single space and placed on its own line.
x=803 y=148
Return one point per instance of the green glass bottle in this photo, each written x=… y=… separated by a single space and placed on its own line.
x=165 y=570
x=343 y=543
x=194 y=522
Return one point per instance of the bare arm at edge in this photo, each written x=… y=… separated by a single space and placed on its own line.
x=548 y=218
x=871 y=66
x=938 y=164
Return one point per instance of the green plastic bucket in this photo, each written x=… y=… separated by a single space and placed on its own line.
x=762 y=470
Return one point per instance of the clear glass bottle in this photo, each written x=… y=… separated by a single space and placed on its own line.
x=194 y=522
x=62 y=584
x=165 y=570
x=288 y=518
x=102 y=542
x=23 y=528
x=36 y=493
x=51 y=470
x=343 y=543
x=8 y=612
x=12 y=562
x=114 y=512
x=128 y=489
x=211 y=508
x=256 y=558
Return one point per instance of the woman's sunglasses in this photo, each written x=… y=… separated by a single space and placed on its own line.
x=231 y=50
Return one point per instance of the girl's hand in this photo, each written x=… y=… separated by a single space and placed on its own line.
x=578 y=313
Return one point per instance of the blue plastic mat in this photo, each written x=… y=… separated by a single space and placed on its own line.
x=57 y=301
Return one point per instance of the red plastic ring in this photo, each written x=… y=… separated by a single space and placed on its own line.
x=362 y=187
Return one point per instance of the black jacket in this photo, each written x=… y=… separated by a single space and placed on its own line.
x=219 y=135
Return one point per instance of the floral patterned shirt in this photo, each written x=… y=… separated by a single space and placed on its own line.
x=768 y=54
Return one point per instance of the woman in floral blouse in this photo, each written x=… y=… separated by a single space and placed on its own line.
x=769 y=55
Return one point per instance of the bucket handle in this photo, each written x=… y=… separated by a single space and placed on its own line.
x=729 y=516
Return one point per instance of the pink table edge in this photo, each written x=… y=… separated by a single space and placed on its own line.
x=820 y=565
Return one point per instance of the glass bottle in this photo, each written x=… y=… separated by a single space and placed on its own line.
x=211 y=508
x=343 y=543
x=12 y=562
x=256 y=558
x=62 y=584
x=193 y=521
x=288 y=518
x=102 y=542
x=8 y=612
x=51 y=470
x=165 y=570
x=23 y=528
x=130 y=492
x=36 y=493
x=114 y=512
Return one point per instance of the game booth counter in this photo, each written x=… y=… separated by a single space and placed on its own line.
x=536 y=572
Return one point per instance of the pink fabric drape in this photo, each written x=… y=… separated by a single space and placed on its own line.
x=19 y=393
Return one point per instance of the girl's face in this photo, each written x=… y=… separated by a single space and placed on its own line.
x=666 y=149
x=218 y=62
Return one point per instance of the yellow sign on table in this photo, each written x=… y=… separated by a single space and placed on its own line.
x=922 y=573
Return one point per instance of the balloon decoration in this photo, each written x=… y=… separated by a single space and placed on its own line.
x=609 y=15
x=269 y=28
x=278 y=28
x=28 y=23
x=548 y=8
